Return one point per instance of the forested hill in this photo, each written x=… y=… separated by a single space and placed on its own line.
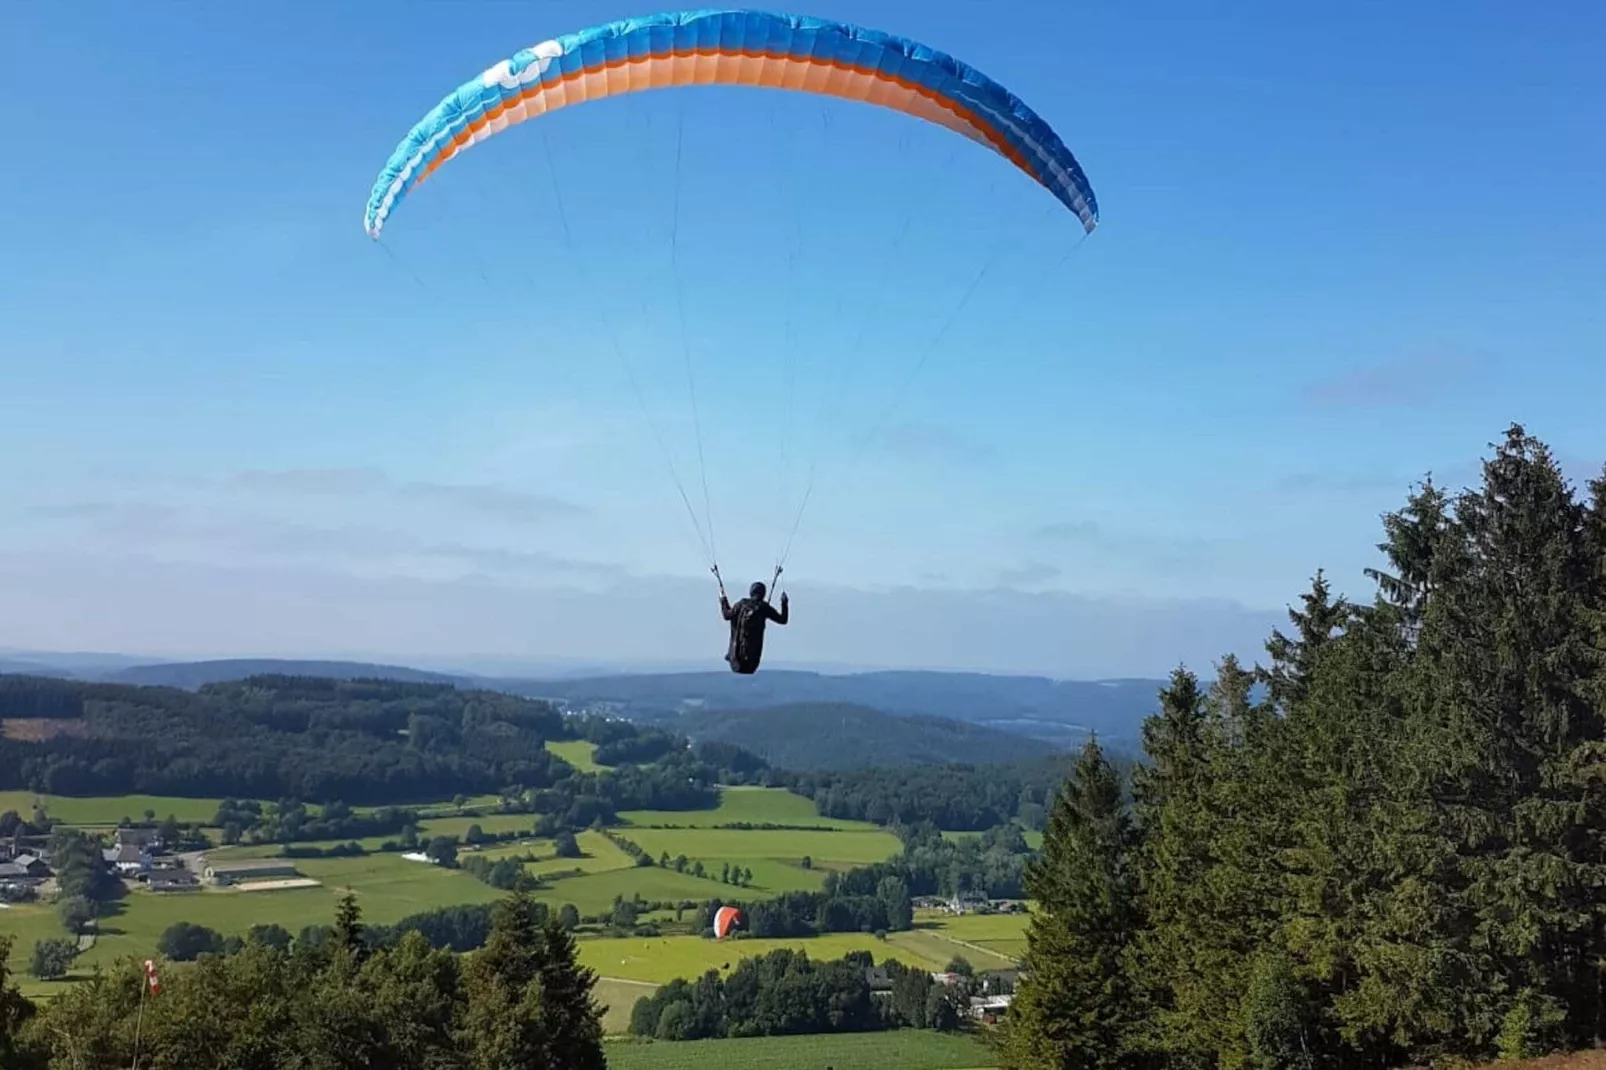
x=1058 y=711
x=1063 y=711
x=373 y=742
x=194 y=674
x=814 y=736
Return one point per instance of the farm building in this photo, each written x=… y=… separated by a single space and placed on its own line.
x=24 y=867
x=173 y=880
x=250 y=869
x=989 y=1008
x=136 y=838
x=128 y=859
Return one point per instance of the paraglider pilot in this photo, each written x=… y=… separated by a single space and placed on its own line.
x=748 y=618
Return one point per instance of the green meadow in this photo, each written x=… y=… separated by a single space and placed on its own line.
x=772 y=806
x=579 y=753
x=909 y=1049
x=1034 y=838
x=661 y=959
x=103 y=810
x=389 y=887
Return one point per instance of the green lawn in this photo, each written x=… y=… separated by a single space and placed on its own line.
x=775 y=806
x=1034 y=838
x=732 y=845
x=579 y=753
x=619 y=998
x=388 y=888
x=109 y=809
x=1002 y=935
x=458 y=826
x=908 y=1049
x=594 y=892
x=661 y=959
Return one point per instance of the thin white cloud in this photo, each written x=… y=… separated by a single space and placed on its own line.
x=502 y=502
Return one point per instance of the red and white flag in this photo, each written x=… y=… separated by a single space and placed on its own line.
x=150 y=976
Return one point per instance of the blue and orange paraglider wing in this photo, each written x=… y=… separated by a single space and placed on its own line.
x=753 y=48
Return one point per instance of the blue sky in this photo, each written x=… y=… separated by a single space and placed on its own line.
x=1339 y=248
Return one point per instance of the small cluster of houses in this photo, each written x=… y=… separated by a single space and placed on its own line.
x=983 y=1008
x=970 y=903
x=21 y=872
x=139 y=854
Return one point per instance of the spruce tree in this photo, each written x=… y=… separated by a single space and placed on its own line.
x=571 y=1019
x=1074 y=1006
x=1514 y=643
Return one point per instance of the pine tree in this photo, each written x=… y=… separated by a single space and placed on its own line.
x=1074 y=1007
x=571 y=1019
x=1413 y=539
x=503 y=1024
x=1293 y=659
x=1172 y=816
x=348 y=927
x=1514 y=643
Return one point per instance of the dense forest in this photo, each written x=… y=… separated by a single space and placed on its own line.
x=792 y=736
x=1391 y=853
x=786 y=993
x=342 y=743
x=960 y=797
x=337 y=1002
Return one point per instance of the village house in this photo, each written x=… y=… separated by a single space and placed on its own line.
x=139 y=839
x=128 y=860
x=171 y=880
x=24 y=867
x=249 y=869
x=989 y=1008
x=968 y=903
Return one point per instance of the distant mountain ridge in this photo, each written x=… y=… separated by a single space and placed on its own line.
x=1059 y=711
x=1062 y=712
x=810 y=737
x=193 y=674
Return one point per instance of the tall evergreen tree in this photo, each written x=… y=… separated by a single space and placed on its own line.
x=1514 y=644
x=1172 y=816
x=1293 y=658
x=571 y=1018
x=503 y=1024
x=1074 y=1006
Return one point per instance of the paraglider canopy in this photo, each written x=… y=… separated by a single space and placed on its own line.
x=735 y=47
x=724 y=920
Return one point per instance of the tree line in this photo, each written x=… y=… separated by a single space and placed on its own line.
x=961 y=798
x=339 y=743
x=785 y=993
x=338 y=1002
x=1390 y=852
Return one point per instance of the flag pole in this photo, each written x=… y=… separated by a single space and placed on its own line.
x=146 y=982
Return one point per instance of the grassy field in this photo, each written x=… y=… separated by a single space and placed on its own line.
x=908 y=1049
x=663 y=958
x=775 y=806
x=618 y=998
x=108 y=810
x=579 y=753
x=720 y=845
x=1034 y=838
x=775 y=857
x=1002 y=934
x=594 y=892
x=388 y=888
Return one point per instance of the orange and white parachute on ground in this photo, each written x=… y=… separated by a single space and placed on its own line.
x=724 y=920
